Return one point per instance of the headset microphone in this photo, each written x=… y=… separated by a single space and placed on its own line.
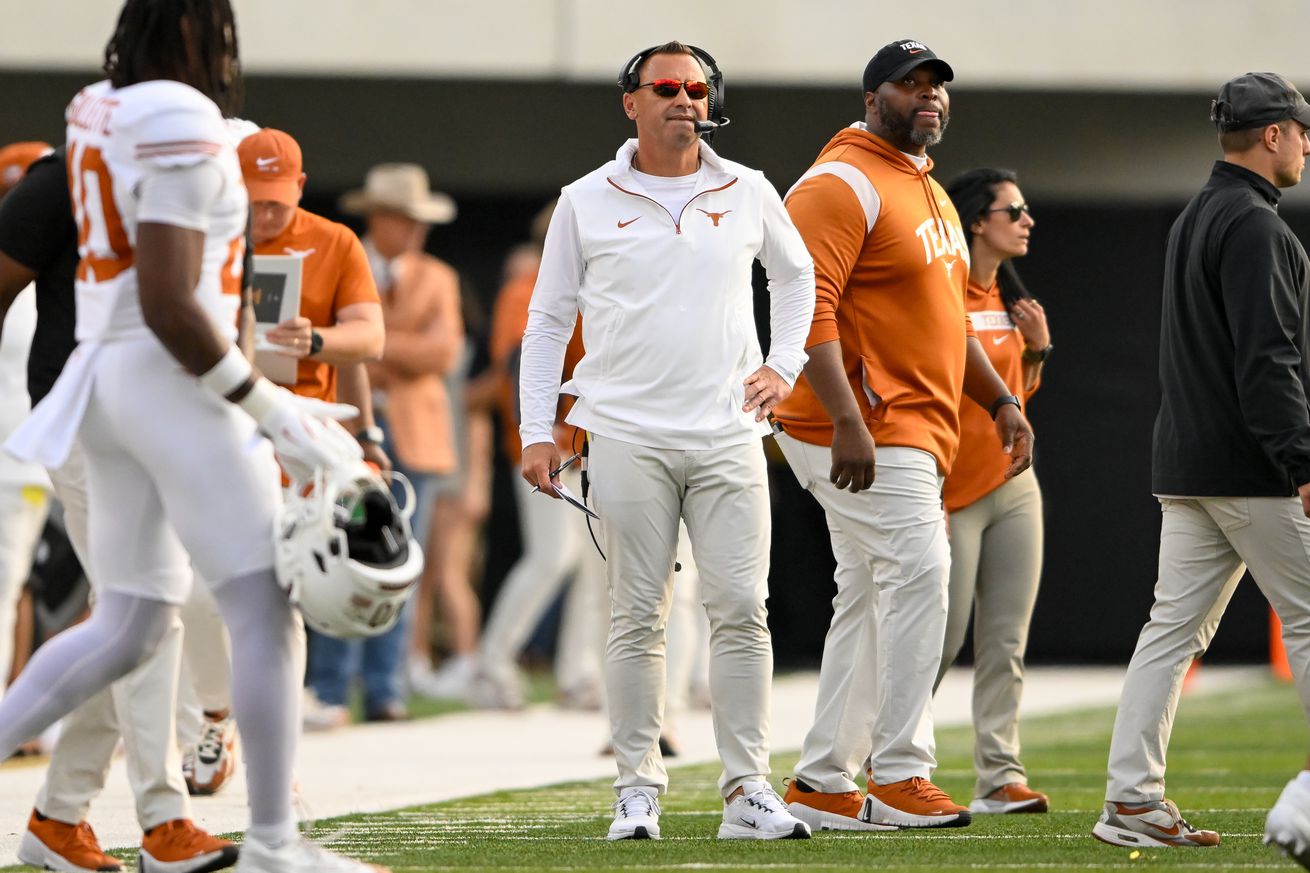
x=703 y=127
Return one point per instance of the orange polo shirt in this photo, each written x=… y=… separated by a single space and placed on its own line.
x=509 y=319
x=893 y=295
x=334 y=275
x=980 y=466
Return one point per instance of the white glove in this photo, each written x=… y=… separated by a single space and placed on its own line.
x=304 y=431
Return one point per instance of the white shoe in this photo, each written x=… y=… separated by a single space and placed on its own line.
x=759 y=814
x=636 y=815
x=1288 y=825
x=215 y=759
x=449 y=682
x=297 y=856
x=495 y=689
x=319 y=716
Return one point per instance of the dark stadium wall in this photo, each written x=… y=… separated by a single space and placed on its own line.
x=1105 y=174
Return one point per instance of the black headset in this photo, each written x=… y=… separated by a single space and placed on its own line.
x=628 y=81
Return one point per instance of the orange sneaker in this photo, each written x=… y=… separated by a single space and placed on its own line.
x=823 y=811
x=178 y=846
x=913 y=803
x=1011 y=797
x=56 y=845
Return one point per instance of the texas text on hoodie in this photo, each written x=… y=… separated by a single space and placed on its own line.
x=891 y=266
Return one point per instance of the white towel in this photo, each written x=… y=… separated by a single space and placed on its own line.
x=46 y=436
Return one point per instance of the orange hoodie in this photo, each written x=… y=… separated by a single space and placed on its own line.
x=890 y=268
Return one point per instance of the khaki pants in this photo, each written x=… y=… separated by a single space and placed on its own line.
x=996 y=565
x=884 y=645
x=140 y=706
x=723 y=495
x=1205 y=545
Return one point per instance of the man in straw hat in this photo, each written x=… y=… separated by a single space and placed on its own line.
x=425 y=335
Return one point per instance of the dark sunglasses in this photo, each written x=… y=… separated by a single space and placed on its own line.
x=1014 y=210
x=671 y=87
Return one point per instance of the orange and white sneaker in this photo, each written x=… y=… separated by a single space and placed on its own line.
x=215 y=758
x=1011 y=797
x=178 y=846
x=1151 y=823
x=824 y=811
x=56 y=845
x=913 y=803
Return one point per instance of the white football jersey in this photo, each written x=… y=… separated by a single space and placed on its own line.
x=116 y=139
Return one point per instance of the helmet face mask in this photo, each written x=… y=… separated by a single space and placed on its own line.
x=345 y=552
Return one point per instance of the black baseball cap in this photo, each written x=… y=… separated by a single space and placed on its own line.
x=895 y=59
x=1255 y=99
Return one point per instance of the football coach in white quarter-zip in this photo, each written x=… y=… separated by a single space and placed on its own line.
x=654 y=250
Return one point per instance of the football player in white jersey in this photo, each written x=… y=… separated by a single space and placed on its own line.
x=167 y=409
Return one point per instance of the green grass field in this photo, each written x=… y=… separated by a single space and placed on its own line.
x=1230 y=756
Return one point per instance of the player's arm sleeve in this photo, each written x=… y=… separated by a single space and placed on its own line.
x=180 y=196
x=1262 y=273
x=791 y=287
x=551 y=316
x=834 y=221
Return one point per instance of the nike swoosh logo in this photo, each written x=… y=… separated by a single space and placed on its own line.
x=749 y=822
x=997 y=340
x=623 y=224
x=265 y=162
x=1173 y=831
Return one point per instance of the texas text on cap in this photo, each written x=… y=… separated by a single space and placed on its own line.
x=271 y=165
x=895 y=59
x=1258 y=98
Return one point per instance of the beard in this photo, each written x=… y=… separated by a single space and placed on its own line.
x=901 y=128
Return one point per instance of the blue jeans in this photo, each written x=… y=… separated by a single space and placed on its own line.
x=378 y=661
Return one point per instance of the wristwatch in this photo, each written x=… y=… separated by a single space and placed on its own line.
x=371 y=434
x=1036 y=356
x=315 y=343
x=1004 y=400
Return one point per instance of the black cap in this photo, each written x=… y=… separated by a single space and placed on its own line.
x=1255 y=99
x=895 y=59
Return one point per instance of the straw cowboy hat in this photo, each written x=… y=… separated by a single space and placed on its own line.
x=400 y=188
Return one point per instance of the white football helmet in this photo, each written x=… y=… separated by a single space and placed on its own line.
x=345 y=552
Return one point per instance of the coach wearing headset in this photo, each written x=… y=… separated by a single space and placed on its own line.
x=654 y=249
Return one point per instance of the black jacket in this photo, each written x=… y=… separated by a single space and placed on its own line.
x=1234 y=347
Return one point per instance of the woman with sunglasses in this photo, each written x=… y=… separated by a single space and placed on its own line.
x=995 y=523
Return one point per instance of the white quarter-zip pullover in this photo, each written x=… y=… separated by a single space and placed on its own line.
x=667 y=307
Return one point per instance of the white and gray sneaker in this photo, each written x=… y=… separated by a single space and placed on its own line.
x=636 y=815
x=759 y=814
x=297 y=856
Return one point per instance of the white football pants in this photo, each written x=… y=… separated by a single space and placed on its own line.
x=139 y=707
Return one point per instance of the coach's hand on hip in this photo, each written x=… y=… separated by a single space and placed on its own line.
x=1016 y=439
x=538 y=460
x=765 y=389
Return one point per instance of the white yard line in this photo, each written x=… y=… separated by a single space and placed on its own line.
x=379 y=767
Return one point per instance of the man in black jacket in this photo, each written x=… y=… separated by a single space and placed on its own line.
x=1231 y=462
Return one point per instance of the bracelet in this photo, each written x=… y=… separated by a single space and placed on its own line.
x=230 y=373
x=1036 y=356
x=1004 y=400
x=315 y=343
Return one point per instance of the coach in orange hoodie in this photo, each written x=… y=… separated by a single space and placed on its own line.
x=891 y=352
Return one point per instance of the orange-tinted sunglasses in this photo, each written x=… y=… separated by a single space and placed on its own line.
x=670 y=88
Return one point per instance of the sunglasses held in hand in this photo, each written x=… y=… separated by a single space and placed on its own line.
x=1015 y=210
x=670 y=87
